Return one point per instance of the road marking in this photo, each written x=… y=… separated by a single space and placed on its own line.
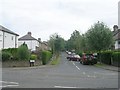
x=6 y=82
x=64 y=87
x=84 y=73
x=9 y=86
x=9 y=82
x=73 y=63
x=91 y=76
x=76 y=66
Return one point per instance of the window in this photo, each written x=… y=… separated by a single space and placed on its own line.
x=12 y=37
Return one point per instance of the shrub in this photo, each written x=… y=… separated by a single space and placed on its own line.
x=33 y=57
x=13 y=52
x=23 y=53
x=6 y=56
x=46 y=55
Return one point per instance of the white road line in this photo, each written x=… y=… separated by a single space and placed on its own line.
x=64 y=87
x=84 y=73
x=9 y=86
x=91 y=76
x=76 y=66
x=73 y=63
x=9 y=82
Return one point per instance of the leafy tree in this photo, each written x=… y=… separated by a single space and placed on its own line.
x=56 y=43
x=99 y=37
x=75 y=41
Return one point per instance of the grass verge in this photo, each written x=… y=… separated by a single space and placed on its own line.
x=55 y=61
x=99 y=64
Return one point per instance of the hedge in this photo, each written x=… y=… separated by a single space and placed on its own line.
x=106 y=57
x=13 y=52
x=116 y=58
x=46 y=55
x=5 y=56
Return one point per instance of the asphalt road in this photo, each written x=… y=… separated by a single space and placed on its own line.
x=68 y=74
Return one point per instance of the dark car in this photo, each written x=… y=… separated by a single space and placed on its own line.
x=73 y=57
x=88 y=59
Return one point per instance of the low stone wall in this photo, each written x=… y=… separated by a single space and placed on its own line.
x=20 y=63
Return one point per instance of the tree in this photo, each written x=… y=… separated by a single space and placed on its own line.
x=56 y=43
x=23 y=52
x=99 y=37
x=75 y=41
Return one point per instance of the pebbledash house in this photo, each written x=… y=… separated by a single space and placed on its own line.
x=8 y=38
x=31 y=42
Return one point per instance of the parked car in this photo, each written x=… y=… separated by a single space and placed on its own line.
x=73 y=57
x=88 y=59
x=68 y=52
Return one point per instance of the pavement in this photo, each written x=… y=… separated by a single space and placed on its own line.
x=108 y=67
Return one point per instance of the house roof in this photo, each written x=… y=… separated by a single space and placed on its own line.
x=7 y=30
x=27 y=37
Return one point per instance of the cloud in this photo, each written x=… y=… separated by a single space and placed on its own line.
x=45 y=17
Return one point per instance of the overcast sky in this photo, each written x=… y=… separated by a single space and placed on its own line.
x=45 y=17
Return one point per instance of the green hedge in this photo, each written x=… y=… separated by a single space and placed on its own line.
x=5 y=56
x=46 y=55
x=13 y=52
x=116 y=58
x=106 y=57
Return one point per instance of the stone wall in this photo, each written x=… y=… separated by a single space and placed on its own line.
x=20 y=63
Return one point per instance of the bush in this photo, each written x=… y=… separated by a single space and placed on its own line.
x=13 y=52
x=33 y=57
x=6 y=56
x=23 y=53
x=46 y=55
x=116 y=58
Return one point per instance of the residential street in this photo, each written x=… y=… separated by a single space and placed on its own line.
x=68 y=74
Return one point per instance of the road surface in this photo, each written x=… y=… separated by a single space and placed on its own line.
x=68 y=74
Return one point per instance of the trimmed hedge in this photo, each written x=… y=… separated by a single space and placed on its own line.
x=116 y=58
x=46 y=55
x=106 y=57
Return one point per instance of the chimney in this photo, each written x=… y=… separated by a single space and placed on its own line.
x=39 y=39
x=29 y=33
x=115 y=27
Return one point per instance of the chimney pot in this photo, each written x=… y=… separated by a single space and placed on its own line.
x=29 y=33
x=115 y=27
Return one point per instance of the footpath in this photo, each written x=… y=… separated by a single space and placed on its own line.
x=108 y=67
